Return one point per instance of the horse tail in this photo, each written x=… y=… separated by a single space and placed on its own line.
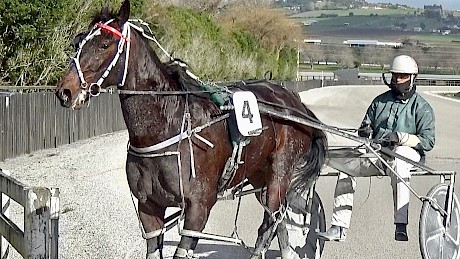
x=309 y=167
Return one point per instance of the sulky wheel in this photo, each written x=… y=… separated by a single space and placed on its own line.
x=302 y=226
x=437 y=241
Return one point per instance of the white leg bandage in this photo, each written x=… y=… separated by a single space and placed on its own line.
x=184 y=253
x=153 y=234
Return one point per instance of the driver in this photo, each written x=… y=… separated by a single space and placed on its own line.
x=399 y=118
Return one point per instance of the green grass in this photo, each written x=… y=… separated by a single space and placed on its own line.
x=356 y=12
x=378 y=22
x=438 y=38
x=333 y=68
x=353 y=21
x=385 y=19
x=319 y=68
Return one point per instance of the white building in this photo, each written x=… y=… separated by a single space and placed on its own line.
x=364 y=43
x=312 y=41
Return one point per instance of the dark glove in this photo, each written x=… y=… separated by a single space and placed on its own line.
x=365 y=131
x=390 y=140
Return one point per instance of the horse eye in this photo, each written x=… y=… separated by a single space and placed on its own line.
x=105 y=46
x=79 y=38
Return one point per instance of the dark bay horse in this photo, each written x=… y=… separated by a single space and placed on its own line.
x=170 y=162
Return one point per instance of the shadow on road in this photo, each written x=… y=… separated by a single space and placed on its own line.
x=218 y=250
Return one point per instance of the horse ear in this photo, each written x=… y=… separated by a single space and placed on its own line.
x=123 y=13
x=105 y=12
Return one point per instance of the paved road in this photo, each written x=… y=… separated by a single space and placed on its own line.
x=98 y=219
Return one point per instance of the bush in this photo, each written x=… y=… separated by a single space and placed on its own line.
x=217 y=49
x=25 y=26
x=35 y=46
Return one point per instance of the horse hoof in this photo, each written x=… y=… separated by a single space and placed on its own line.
x=289 y=253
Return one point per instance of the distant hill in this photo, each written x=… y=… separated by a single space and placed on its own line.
x=451 y=5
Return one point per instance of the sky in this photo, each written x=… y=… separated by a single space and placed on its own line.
x=446 y=4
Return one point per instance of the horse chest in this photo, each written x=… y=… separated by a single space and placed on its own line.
x=154 y=179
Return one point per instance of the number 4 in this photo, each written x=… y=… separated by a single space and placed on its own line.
x=246 y=113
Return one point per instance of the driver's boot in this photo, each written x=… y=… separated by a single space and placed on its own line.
x=335 y=233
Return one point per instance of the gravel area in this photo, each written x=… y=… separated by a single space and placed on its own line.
x=98 y=219
x=96 y=207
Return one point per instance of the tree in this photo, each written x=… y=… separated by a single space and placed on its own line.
x=272 y=28
x=199 y=5
x=356 y=64
x=311 y=54
x=345 y=56
x=422 y=25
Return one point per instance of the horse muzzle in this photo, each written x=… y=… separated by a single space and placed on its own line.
x=71 y=100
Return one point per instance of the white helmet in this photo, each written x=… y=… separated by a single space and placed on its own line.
x=404 y=64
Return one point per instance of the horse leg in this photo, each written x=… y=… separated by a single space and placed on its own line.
x=186 y=247
x=272 y=198
x=264 y=236
x=283 y=241
x=152 y=218
x=196 y=216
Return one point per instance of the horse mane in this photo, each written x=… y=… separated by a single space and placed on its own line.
x=177 y=70
x=104 y=15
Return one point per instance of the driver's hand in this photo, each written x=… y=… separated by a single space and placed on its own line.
x=390 y=140
x=365 y=131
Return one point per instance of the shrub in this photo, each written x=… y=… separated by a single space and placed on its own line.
x=35 y=45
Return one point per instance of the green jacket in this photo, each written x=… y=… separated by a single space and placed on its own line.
x=414 y=116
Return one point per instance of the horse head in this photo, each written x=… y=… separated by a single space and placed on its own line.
x=95 y=63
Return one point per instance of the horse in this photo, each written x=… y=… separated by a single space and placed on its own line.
x=179 y=137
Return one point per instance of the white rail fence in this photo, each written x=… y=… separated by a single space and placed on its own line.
x=39 y=240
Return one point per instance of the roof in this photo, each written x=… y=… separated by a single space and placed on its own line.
x=370 y=42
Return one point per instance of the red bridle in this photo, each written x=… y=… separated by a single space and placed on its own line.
x=112 y=30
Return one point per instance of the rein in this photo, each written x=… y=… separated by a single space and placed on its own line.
x=148 y=92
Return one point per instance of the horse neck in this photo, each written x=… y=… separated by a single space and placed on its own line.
x=148 y=71
x=150 y=118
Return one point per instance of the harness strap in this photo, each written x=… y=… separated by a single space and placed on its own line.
x=201 y=235
x=177 y=138
x=159 y=146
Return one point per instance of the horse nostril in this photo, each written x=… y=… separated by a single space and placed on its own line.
x=66 y=94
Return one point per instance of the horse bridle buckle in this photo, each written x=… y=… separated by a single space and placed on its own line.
x=94 y=89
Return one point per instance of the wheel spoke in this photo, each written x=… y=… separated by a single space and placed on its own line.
x=452 y=240
x=434 y=232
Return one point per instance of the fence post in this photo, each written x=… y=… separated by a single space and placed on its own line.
x=37 y=223
x=5 y=201
x=54 y=218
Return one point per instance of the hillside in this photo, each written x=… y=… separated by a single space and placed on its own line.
x=433 y=41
